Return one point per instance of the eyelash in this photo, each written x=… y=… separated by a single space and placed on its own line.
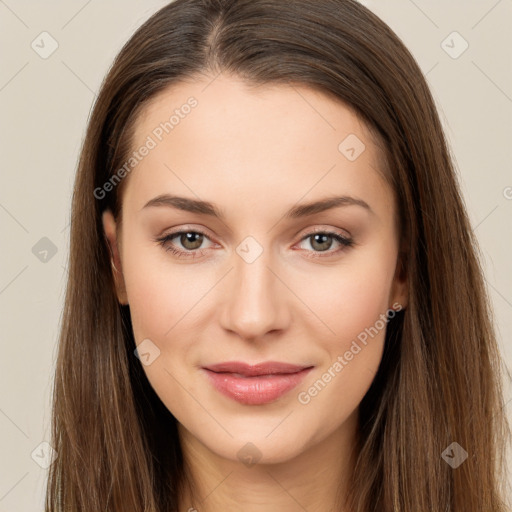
x=164 y=242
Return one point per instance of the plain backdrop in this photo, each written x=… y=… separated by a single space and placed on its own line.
x=463 y=47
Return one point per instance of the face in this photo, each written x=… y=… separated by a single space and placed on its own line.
x=253 y=276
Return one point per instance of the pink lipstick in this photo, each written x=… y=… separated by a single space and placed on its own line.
x=255 y=384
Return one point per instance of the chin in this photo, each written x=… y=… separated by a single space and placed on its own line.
x=251 y=449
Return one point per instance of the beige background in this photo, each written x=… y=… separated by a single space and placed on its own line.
x=45 y=104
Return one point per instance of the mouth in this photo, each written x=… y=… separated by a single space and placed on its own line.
x=255 y=384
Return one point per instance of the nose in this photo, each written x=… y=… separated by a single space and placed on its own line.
x=257 y=301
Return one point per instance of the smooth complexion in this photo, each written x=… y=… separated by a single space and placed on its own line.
x=256 y=153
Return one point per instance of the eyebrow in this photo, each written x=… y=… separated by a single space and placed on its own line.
x=303 y=210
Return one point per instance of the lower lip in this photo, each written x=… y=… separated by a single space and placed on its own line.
x=258 y=390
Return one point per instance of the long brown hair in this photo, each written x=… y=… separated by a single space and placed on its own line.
x=440 y=378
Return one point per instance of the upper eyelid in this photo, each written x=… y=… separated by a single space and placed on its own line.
x=182 y=231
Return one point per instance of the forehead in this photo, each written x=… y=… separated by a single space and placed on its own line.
x=225 y=136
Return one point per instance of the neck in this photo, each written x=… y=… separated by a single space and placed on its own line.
x=315 y=480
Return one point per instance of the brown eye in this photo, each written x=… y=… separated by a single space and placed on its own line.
x=321 y=241
x=184 y=244
x=191 y=240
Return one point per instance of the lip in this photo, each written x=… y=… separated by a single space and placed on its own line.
x=257 y=384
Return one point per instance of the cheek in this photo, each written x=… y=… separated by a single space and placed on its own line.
x=352 y=298
x=162 y=298
x=150 y=303
x=352 y=302
x=168 y=306
x=160 y=294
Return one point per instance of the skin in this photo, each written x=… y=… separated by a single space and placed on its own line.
x=256 y=153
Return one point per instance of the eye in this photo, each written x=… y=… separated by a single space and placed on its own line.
x=321 y=241
x=190 y=240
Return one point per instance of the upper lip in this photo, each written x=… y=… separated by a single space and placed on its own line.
x=266 y=368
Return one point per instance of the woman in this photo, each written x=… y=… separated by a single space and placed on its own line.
x=274 y=297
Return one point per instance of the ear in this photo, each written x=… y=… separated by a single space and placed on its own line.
x=399 y=296
x=110 y=229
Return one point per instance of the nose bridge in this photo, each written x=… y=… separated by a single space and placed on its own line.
x=255 y=304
